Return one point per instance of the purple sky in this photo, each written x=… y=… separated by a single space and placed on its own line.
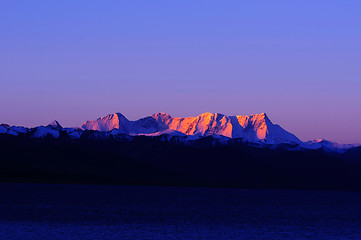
x=298 y=61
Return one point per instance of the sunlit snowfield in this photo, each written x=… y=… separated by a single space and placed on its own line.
x=35 y=211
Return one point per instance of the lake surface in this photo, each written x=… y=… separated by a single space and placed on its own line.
x=42 y=211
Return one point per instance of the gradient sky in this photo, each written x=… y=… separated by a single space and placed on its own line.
x=298 y=61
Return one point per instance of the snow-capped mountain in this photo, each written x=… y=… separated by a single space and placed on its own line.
x=13 y=130
x=253 y=128
x=55 y=124
x=207 y=150
x=212 y=149
x=326 y=145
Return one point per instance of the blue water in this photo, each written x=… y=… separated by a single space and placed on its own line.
x=41 y=211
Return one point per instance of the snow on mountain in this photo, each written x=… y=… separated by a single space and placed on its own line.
x=19 y=129
x=55 y=124
x=73 y=133
x=327 y=145
x=4 y=128
x=46 y=131
x=256 y=127
x=13 y=130
x=169 y=132
x=108 y=123
x=256 y=130
x=118 y=121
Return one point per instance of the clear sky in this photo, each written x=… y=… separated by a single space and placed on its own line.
x=298 y=61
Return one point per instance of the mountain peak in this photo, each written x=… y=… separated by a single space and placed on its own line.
x=55 y=124
x=260 y=115
x=161 y=115
x=108 y=123
x=254 y=128
x=116 y=115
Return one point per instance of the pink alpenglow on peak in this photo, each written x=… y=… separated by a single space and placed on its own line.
x=253 y=128
x=108 y=123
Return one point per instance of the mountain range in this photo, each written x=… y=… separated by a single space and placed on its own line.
x=256 y=127
x=208 y=150
x=253 y=129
